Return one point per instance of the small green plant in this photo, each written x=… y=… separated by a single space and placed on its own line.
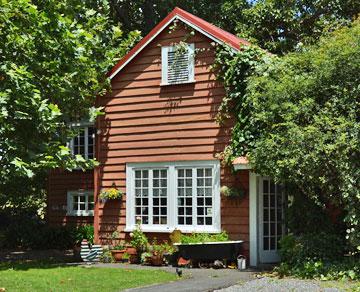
x=106 y=257
x=110 y=194
x=126 y=256
x=167 y=248
x=145 y=256
x=84 y=232
x=139 y=239
x=232 y=192
x=118 y=247
x=204 y=237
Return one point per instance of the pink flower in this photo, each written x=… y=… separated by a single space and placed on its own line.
x=131 y=234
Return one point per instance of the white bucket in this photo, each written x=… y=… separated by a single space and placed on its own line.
x=241 y=262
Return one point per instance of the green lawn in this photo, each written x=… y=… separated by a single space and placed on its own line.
x=49 y=277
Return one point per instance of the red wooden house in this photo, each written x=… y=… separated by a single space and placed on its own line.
x=158 y=142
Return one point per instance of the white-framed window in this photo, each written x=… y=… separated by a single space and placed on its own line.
x=177 y=64
x=84 y=142
x=168 y=195
x=80 y=203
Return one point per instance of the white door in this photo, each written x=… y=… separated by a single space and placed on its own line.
x=271 y=220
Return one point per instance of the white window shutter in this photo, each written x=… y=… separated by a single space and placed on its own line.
x=177 y=68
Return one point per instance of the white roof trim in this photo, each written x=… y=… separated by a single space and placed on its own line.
x=158 y=32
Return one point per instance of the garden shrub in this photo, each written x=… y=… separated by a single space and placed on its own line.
x=316 y=246
x=344 y=269
x=317 y=255
x=28 y=231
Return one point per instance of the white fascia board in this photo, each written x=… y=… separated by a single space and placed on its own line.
x=139 y=50
x=160 y=30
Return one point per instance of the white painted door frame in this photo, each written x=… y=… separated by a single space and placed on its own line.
x=255 y=218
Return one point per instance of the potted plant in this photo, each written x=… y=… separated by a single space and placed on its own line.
x=110 y=194
x=125 y=257
x=118 y=252
x=169 y=254
x=139 y=242
x=157 y=253
x=146 y=258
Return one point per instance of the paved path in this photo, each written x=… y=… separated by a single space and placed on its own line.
x=194 y=280
x=279 y=285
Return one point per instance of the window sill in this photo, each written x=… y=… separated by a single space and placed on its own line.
x=180 y=83
x=156 y=229
x=81 y=214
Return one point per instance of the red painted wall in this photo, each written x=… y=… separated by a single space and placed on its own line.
x=59 y=183
x=146 y=122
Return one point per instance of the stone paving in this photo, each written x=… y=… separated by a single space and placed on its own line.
x=279 y=285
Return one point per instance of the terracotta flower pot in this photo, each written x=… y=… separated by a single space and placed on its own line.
x=157 y=260
x=131 y=250
x=118 y=254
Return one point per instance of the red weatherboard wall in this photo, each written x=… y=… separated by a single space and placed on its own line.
x=59 y=183
x=146 y=122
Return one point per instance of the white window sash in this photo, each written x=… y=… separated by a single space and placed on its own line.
x=85 y=127
x=70 y=203
x=172 y=198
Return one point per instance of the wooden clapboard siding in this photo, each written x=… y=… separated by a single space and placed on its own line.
x=146 y=122
x=59 y=183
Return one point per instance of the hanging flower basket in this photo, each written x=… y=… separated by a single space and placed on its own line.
x=232 y=192
x=110 y=194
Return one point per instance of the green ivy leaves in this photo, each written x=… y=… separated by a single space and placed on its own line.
x=298 y=118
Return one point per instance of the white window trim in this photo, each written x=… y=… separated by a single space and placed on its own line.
x=172 y=198
x=85 y=126
x=70 y=207
x=164 y=65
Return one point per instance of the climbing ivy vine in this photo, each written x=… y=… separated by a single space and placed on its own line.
x=297 y=118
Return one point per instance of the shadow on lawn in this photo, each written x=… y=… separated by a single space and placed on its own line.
x=27 y=265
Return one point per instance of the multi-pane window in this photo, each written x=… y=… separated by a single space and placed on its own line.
x=185 y=196
x=80 y=203
x=195 y=200
x=151 y=196
x=177 y=64
x=164 y=196
x=204 y=195
x=83 y=142
x=273 y=227
x=159 y=196
x=142 y=196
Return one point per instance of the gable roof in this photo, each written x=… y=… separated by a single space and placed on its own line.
x=213 y=32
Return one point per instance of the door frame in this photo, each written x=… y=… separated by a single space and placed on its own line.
x=253 y=220
x=254 y=227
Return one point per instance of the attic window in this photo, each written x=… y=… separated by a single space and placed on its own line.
x=177 y=64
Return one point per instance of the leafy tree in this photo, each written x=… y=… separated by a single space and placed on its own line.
x=54 y=56
x=275 y=25
x=282 y=26
x=143 y=15
x=298 y=118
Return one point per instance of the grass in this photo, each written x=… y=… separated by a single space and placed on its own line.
x=59 y=277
